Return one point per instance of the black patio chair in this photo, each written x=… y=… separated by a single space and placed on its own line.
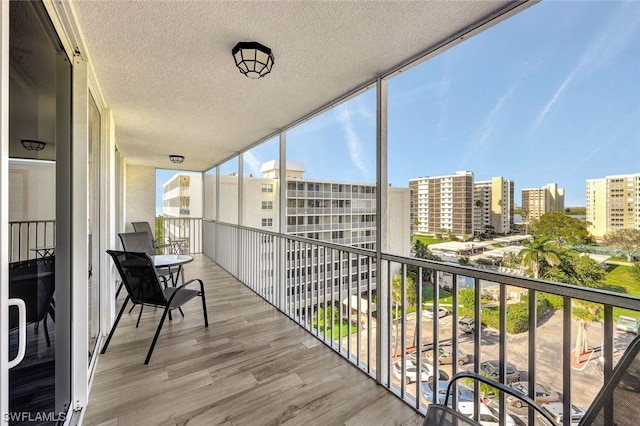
x=33 y=281
x=444 y=415
x=618 y=401
x=158 y=246
x=143 y=286
x=140 y=242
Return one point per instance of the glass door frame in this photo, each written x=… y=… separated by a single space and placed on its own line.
x=71 y=209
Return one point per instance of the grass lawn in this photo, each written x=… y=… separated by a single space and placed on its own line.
x=428 y=240
x=621 y=280
x=334 y=332
x=446 y=299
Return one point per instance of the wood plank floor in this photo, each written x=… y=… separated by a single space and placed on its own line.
x=251 y=366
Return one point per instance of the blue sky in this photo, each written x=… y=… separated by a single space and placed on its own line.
x=550 y=95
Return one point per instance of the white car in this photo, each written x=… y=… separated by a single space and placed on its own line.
x=555 y=409
x=428 y=313
x=487 y=416
x=410 y=372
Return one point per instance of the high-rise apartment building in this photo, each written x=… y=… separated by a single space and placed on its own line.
x=177 y=199
x=612 y=203
x=181 y=200
x=538 y=201
x=442 y=204
x=493 y=206
x=334 y=211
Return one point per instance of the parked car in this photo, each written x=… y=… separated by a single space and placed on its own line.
x=464 y=393
x=428 y=313
x=445 y=356
x=555 y=410
x=487 y=416
x=492 y=369
x=628 y=324
x=410 y=371
x=544 y=394
x=468 y=325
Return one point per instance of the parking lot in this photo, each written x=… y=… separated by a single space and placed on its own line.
x=586 y=380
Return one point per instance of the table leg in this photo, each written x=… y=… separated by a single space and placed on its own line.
x=178 y=275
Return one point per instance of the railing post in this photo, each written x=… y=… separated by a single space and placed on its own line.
x=566 y=357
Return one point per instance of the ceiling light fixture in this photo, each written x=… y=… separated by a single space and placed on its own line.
x=253 y=59
x=32 y=145
x=176 y=158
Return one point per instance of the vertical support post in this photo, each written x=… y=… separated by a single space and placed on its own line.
x=566 y=357
x=383 y=281
x=533 y=324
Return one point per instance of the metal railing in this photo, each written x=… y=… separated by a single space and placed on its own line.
x=348 y=298
x=185 y=234
x=30 y=239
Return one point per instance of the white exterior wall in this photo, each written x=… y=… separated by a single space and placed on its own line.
x=33 y=190
x=183 y=191
x=140 y=195
x=254 y=198
x=399 y=229
x=229 y=193
x=209 y=196
x=596 y=207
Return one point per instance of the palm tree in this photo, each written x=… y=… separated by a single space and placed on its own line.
x=538 y=250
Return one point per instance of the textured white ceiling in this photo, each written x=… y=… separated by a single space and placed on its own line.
x=166 y=70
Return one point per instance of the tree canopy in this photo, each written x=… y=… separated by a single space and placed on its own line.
x=577 y=269
x=561 y=228
x=421 y=251
x=538 y=252
x=627 y=240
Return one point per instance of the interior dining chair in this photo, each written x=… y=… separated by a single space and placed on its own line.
x=143 y=286
x=145 y=227
x=34 y=282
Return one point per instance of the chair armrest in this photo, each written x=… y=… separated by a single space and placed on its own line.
x=501 y=387
x=183 y=286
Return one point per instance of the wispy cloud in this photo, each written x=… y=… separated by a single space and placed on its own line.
x=253 y=163
x=477 y=147
x=443 y=90
x=612 y=39
x=356 y=149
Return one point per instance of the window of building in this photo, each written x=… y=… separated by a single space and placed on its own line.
x=267 y=222
x=267 y=205
x=267 y=187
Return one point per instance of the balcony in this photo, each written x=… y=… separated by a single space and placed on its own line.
x=265 y=350
x=251 y=366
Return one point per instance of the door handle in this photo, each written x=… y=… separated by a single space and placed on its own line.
x=22 y=330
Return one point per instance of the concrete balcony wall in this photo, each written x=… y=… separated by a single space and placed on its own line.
x=140 y=195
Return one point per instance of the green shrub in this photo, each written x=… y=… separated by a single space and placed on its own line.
x=517 y=315
x=554 y=301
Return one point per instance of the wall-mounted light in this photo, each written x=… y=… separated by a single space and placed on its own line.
x=253 y=59
x=176 y=158
x=32 y=145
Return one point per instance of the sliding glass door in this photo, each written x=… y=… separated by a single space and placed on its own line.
x=39 y=261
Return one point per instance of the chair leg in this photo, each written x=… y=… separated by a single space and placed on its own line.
x=204 y=305
x=139 y=315
x=119 y=288
x=46 y=330
x=180 y=309
x=115 y=324
x=155 y=338
x=51 y=309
